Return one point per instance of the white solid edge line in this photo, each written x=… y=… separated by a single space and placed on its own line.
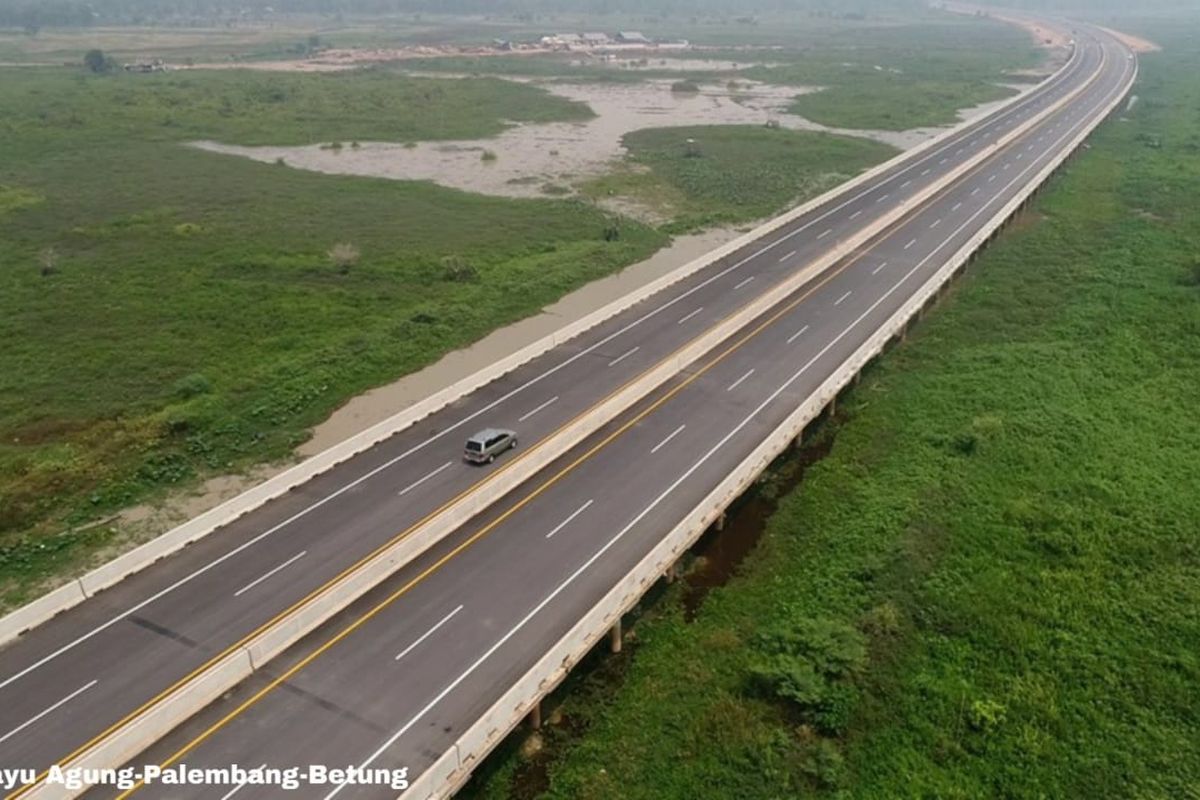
x=427 y=634
x=41 y=714
x=569 y=519
x=269 y=573
x=951 y=141
x=419 y=481
x=624 y=356
x=620 y=534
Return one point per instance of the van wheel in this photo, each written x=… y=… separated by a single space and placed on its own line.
x=492 y=458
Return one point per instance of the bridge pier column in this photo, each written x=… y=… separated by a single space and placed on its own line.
x=614 y=638
x=535 y=716
x=719 y=525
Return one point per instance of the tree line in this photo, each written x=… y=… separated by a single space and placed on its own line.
x=34 y=14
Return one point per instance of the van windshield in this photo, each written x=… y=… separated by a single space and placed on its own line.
x=474 y=446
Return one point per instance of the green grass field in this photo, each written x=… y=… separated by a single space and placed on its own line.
x=895 y=79
x=192 y=322
x=988 y=587
x=171 y=314
x=729 y=174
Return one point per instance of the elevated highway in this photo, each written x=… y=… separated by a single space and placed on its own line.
x=399 y=676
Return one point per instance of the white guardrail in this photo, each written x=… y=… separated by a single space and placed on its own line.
x=79 y=589
x=452 y=769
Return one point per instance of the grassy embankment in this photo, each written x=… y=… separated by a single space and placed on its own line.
x=190 y=320
x=988 y=587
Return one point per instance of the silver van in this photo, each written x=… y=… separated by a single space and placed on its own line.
x=487 y=444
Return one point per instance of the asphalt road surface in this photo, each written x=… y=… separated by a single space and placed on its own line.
x=440 y=641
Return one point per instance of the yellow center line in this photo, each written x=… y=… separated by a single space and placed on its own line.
x=382 y=605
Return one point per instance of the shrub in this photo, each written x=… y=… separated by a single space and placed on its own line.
x=809 y=664
x=343 y=257
x=97 y=62
x=193 y=385
x=488 y=155
x=685 y=87
x=986 y=715
x=456 y=269
x=48 y=259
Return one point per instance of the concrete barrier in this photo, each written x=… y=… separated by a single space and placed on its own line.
x=17 y=622
x=131 y=736
x=507 y=712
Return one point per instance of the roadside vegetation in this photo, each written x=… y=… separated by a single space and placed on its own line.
x=168 y=313
x=730 y=174
x=987 y=588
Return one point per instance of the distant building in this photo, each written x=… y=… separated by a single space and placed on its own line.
x=157 y=65
x=632 y=37
x=596 y=39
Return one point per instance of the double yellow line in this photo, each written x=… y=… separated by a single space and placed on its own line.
x=881 y=238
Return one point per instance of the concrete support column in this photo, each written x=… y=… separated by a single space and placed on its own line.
x=672 y=572
x=720 y=523
x=615 y=636
x=535 y=716
x=833 y=406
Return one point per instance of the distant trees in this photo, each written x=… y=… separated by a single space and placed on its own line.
x=96 y=62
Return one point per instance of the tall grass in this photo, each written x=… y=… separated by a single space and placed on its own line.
x=193 y=321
